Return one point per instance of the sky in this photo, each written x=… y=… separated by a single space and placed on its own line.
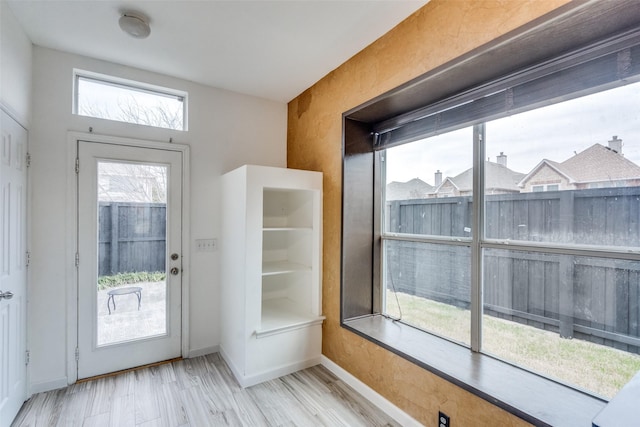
x=555 y=132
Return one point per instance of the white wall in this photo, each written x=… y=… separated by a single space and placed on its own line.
x=226 y=130
x=15 y=67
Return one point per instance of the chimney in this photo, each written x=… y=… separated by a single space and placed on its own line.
x=616 y=144
x=438 y=177
x=502 y=159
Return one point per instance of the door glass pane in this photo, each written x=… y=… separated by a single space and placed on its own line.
x=132 y=224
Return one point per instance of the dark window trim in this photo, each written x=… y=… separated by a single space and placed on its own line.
x=555 y=35
x=533 y=87
x=578 y=23
x=533 y=398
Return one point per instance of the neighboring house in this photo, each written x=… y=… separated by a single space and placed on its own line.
x=413 y=189
x=499 y=180
x=596 y=167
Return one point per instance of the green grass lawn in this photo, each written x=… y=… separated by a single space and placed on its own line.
x=596 y=368
x=120 y=279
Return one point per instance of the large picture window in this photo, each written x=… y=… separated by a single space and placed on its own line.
x=503 y=216
x=560 y=272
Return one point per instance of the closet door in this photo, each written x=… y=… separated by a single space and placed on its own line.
x=13 y=267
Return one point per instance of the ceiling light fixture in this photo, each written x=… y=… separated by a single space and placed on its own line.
x=135 y=25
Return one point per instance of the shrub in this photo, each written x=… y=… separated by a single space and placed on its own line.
x=119 y=279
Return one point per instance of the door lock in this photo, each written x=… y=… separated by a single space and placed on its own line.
x=6 y=295
x=175 y=271
x=174 y=256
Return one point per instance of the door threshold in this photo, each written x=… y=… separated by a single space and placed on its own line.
x=123 y=371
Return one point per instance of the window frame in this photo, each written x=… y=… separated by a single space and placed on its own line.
x=479 y=243
x=541 y=188
x=526 y=51
x=131 y=85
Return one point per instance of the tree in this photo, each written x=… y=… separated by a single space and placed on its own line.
x=132 y=182
x=142 y=109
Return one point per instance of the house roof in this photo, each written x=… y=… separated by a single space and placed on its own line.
x=413 y=189
x=596 y=163
x=444 y=183
x=497 y=176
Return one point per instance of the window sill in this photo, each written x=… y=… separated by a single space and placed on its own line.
x=533 y=398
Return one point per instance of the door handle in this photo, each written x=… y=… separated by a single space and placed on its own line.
x=6 y=295
x=175 y=271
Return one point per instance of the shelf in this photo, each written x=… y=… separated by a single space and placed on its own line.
x=271 y=273
x=282 y=267
x=282 y=315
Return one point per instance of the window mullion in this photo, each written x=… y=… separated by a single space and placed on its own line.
x=378 y=291
x=477 y=235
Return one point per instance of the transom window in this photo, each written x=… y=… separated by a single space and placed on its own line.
x=111 y=98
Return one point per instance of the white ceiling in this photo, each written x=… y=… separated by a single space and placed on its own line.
x=270 y=49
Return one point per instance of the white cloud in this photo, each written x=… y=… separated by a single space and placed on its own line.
x=554 y=132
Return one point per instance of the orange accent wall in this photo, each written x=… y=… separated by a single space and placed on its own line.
x=437 y=33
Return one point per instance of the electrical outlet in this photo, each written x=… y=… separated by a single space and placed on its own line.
x=206 y=245
x=443 y=420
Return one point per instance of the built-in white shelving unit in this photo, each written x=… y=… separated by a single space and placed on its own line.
x=271 y=271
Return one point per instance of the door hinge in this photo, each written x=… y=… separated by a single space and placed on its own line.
x=27 y=357
x=77 y=259
x=77 y=165
x=28 y=259
x=28 y=160
x=77 y=354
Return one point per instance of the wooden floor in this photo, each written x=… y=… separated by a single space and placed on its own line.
x=202 y=392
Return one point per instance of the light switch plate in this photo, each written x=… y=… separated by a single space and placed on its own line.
x=206 y=245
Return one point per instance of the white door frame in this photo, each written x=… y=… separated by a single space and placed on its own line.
x=72 y=236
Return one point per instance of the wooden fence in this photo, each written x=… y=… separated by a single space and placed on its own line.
x=131 y=237
x=595 y=299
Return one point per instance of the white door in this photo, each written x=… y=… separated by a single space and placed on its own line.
x=129 y=256
x=13 y=269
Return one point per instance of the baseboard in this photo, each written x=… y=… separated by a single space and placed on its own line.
x=43 y=386
x=202 y=351
x=367 y=392
x=234 y=369
x=249 y=380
